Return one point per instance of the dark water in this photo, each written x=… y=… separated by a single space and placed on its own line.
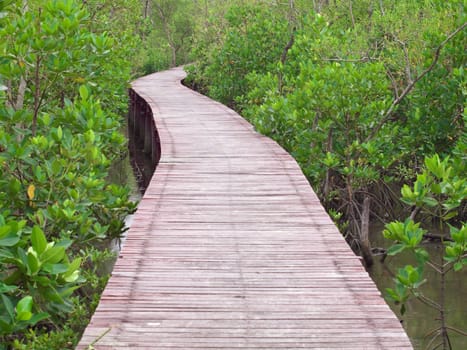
x=122 y=173
x=419 y=320
x=134 y=170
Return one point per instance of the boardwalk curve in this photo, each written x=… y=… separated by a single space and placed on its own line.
x=231 y=249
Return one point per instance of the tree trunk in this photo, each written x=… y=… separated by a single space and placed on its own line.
x=168 y=33
x=146 y=9
x=174 y=55
x=365 y=246
x=381 y=7
x=351 y=13
x=283 y=59
x=327 y=179
x=21 y=92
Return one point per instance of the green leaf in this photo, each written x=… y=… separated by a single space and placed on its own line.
x=421 y=255
x=38 y=240
x=4 y=230
x=393 y=295
x=4 y=288
x=72 y=277
x=33 y=263
x=5 y=328
x=73 y=267
x=10 y=240
x=8 y=306
x=395 y=249
x=429 y=201
x=403 y=309
x=84 y=92
x=451 y=214
x=458 y=266
x=55 y=269
x=59 y=133
x=53 y=255
x=52 y=294
x=23 y=259
x=38 y=317
x=23 y=309
x=407 y=193
x=65 y=243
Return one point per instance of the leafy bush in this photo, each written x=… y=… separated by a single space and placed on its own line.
x=353 y=93
x=56 y=146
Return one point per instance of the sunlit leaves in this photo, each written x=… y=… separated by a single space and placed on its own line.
x=54 y=196
x=408 y=234
x=407 y=280
x=441 y=188
x=456 y=251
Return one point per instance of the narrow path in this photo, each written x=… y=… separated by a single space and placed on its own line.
x=231 y=249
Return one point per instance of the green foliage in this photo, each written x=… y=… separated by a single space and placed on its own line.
x=167 y=30
x=40 y=268
x=253 y=41
x=408 y=234
x=17 y=317
x=364 y=94
x=342 y=98
x=63 y=85
x=439 y=191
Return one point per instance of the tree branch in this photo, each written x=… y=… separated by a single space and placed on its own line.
x=284 y=57
x=393 y=83
x=408 y=71
x=411 y=85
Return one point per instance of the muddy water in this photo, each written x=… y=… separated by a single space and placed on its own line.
x=419 y=320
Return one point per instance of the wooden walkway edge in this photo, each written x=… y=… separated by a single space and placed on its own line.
x=231 y=249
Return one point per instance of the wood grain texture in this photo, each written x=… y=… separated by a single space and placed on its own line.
x=230 y=247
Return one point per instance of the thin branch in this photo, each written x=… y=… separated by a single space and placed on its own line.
x=351 y=13
x=409 y=87
x=433 y=266
x=381 y=7
x=37 y=81
x=284 y=57
x=357 y=60
x=430 y=333
x=37 y=94
x=428 y=302
x=414 y=213
x=461 y=332
x=408 y=71
x=393 y=83
x=94 y=342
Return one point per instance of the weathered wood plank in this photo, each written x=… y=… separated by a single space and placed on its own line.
x=231 y=249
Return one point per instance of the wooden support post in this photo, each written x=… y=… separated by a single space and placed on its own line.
x=148 y=129
x=365 y=246
x=145 y=142
x=132 y=109
x=156 y=147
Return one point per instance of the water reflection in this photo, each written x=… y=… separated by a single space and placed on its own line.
x=121 y=173
x=419 y=319
x=142 y=164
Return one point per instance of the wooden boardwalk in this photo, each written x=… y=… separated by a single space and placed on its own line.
x=231 y=249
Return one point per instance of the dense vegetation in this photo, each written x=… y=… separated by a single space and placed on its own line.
x=359 y=95
x=367 y=95
x=63 y=91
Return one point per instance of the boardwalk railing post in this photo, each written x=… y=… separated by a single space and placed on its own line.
x=144 y=137
x=156 y=145
x=131 y=109
x=148 y=128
